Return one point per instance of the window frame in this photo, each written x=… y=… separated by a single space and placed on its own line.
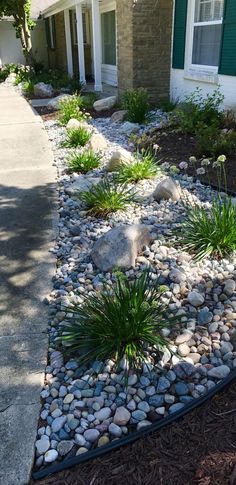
x=104 y=8
x=51 y=32
x=202 y=69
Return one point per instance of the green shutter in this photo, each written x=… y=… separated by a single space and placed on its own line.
x=54 y=31
x=179 y=33
x=227 y=63
x=47 y=29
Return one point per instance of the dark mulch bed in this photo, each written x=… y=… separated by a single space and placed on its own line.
x=47 y=114
x=199 y=449
x=176 y=147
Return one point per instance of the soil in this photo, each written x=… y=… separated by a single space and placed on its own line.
x=176 y=147
x=199 y=449
x=47 y=114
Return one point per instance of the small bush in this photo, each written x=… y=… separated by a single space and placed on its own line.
x=76 y=137
x=135 y=101
x=211 y=141
x=198 y=109
x=106 y=197
x=119 y=324
x=211 y=232
x=83 y=162
x=28 y=87
x=89 y=99
x=143 y=167
x=70 y=107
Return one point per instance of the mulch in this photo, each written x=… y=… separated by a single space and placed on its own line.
x=47 y=114
x=199 y=449
x=176 y=147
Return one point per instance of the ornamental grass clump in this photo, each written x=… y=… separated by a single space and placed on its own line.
x=106 y=197
x=135 y=101
x=83 y=162
x=76 y=137
x=211 y=231
x=117 y=323
x=143 y=167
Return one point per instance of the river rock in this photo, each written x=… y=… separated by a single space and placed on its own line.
x=118 y=116
x=105 y=103
x=97 y=142
x=54 y=103
x=219 y=372
x=122 y=416
x=195 y=299
x=118 y=159
x=167 y=189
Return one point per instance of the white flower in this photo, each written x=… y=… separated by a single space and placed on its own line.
x=200 y=171
x=183 y=165
x=205 y=162
x=221 y=159
x=192 y=160
x=156 y=147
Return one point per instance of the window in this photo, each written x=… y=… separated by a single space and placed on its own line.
x=207 y=32
x=51 y=32
x=108 y=24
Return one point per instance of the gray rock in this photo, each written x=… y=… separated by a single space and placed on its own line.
x=42 y=445
x=163 y=384
x=55 y=102
x=219 y=372
x=103 y=414
x=183 y=338
x=91 y=435
x=115 y=430
x=139 y=415
x=64 y=447
x=184 y=370
x=204 y=316
x=176 y=407
x=105 y=103
x=51 y=456
x=120 y=246
x=56 y=359
x=118 y=159
x=177 y=276
x=156 y=401
x=118 y=116
x=80 y=440
x=226 y=347
x=58 y=423
x=181 y=388
x=143 y=424
x=97 y=142
x=82 y=184
x=127 y=128
x=229 y=287
x=195 y=299
x=122 y=416
x=144 y=406
x=167 y=189
x=43 y=90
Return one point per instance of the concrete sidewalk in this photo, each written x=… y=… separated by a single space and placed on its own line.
x=26 y=267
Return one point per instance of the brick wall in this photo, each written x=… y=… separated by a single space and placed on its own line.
x=57 y=56
x=144 y=45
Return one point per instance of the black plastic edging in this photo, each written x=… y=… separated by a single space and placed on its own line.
x=77 y=460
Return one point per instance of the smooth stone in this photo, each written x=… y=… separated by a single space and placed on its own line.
x=105 y=103
x=183 y=338
x=195 y=299
x=204 y=317
x=139 y=415
x=183 y=350
x=42 y=445
x=91 y=435
x=51 y=456
x=68 y=398
x=177 y=276
x=80 y=440
x=229 y=287
x=219 y=372
x=122 y=416
x=81 y=451
x=181 y=388
x=226 y=347
x=103 y=414
x=64 y=447
x=156 y=401
x=176 y=407
x=118 y=116
x=104 y=440
x=58 y=423
x=115 y=430
x=167 y=189
x=163 y=384
x=144 y=406
x=143 y=424
x=118 y=159
x=127 y=128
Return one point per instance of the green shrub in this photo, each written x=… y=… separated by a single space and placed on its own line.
x=143 y=167
x=106 y=197
x=28 y=87
x=135 y=101
x=76 y=137
x=88 y=100
x=210 y=232
x=70 y=107
x=117 y=324
x=198 y=109
x=211 y=141
x=83 y=162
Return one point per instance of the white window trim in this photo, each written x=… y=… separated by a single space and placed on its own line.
x=195 y=71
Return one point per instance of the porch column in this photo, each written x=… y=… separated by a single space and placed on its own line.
x=68 y=42
x=80 y=37
x=97 y=45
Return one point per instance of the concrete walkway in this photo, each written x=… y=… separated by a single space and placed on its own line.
x=26 y=267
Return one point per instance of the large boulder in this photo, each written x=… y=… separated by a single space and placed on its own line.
x=54 y=103
x=119 y=157
x=119 y=116
x=167 y=189
x=97 y=142
x=127 y=128
x=105 y=103
x=119 y=247
x=43 y=90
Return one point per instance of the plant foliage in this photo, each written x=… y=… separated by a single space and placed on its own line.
x=76 y=137
x=106 y=197
x=71 y=107
x=210 y=232
x=117 y=324
x=143 y=167
x=83 y=162
x=135 y=101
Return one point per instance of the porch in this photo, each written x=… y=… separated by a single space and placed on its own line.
x=90 y=39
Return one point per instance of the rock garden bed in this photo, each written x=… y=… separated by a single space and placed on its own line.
x=85 y=406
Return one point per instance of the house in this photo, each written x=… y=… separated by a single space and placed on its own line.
x=204 y=48
x=10 y=46
x=124 y=43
